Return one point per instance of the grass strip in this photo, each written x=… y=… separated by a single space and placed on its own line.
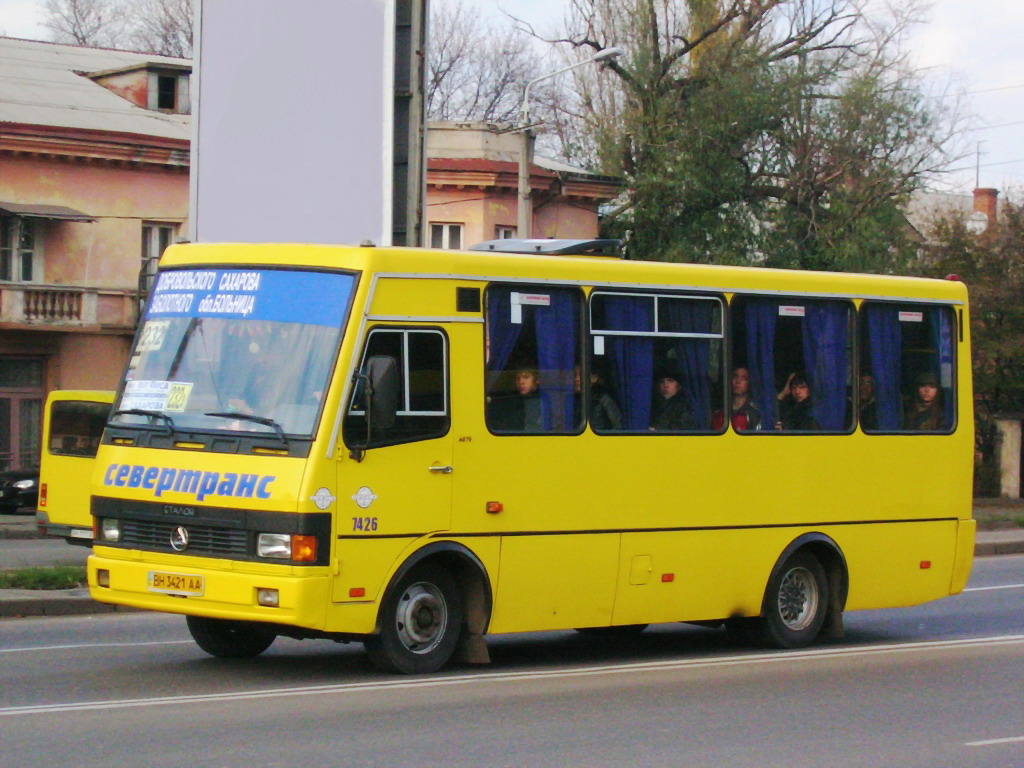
x=57 y=577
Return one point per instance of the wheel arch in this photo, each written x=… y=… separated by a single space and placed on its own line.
x=833 y=561
x=469 y=573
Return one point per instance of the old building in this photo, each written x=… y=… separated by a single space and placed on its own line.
x=93 y=185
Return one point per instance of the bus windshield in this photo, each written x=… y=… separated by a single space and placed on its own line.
x=236 y=349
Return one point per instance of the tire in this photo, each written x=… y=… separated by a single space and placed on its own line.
x=421 y=619
x=796 y=602
x=795 y=605
x=227 y=639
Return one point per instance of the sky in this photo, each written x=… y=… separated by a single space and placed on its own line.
x=968 y=48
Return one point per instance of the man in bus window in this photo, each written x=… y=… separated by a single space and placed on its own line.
x=522 y=411
x=746 y=417
x=670 y=412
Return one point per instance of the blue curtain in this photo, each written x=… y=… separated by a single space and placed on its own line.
x=941 y=324
x=825 y=331
x=760 y=316
x=692 y=355
x=885 y=348
x=502 y=333
x=632 y=358
x=556 y=356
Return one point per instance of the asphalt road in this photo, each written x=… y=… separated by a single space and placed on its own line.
x=936 y=685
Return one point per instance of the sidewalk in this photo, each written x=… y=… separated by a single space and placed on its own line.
x=1001 y=540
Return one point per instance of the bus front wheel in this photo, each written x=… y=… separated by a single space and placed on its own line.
x=421 y=619
x=229 y=639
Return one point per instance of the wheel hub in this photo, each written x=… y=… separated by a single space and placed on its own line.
x=422 y=617
x=798 y=599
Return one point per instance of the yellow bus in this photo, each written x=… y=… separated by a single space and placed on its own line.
x=416 y=448
x=73 y=423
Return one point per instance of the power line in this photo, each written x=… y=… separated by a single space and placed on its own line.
x=986 y=165
x=1000 y=125
x=1000 y=88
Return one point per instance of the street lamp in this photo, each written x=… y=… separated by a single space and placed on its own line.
x=525 y=207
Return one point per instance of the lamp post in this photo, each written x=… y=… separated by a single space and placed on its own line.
x=525 y=207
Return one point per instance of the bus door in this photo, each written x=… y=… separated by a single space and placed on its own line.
x=395 y=477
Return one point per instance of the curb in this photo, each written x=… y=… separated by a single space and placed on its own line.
x=22 y=603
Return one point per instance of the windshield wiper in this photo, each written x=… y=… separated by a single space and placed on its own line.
x=169 y=422
x=249 y=417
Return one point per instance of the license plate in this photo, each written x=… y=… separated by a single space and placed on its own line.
x=176 y=583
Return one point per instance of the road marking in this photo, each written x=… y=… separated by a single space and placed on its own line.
x=92 y=645
x=512 y=677
x=987 y=589
x=993 y=742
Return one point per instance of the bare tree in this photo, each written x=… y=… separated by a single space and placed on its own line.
x=96 y=23
x=162 y=26
x=476 y=72
x=787 y=131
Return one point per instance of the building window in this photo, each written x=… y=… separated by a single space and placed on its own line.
x=155 y=239
x=169 y=92
x=446 y=236
x=504 y=233
x=18 y=250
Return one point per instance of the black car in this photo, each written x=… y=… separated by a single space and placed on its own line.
x=19 y=491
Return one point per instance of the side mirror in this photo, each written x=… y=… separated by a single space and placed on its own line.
x=378 y=389
x=383 y=387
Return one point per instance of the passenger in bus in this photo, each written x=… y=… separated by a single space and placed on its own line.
x=925 y=412
x=795 y=404
x=522 y=411
x=605 y=414
x=868 y=404
x=746 y=417
x=670 y=412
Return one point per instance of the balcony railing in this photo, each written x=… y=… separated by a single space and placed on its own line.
x=52 y=306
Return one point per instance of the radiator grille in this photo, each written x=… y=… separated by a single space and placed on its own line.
x=202 y=539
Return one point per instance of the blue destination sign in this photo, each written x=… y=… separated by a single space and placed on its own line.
x=279 y=295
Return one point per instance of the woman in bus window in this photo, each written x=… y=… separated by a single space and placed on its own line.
x=925 y=412
x=796 y=404
x=746 y=417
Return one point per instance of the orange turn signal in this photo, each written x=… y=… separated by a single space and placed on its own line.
x=926 y=564
x=303 y=548
x=357 y=592
x=494 y=507
x=668 y=577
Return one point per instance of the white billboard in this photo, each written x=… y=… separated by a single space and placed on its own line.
x=292 y=123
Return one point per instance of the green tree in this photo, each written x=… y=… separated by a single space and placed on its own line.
x=782 y=132
x=992 y=266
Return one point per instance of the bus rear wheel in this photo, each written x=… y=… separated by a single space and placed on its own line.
x=795 y=605
x=797 y=602
x=421 y=619
x=227 y=639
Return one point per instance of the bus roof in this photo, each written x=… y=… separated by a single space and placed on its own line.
x=568 y=269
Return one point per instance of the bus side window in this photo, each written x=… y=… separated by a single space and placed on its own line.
x=421 y=359
x=658 y=358
x=907 y=368
x=533 y=353
x=797 y=354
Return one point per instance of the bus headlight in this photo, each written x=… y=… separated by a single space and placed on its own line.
x=297 y=547
x=276 y=545
x=110 y=530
